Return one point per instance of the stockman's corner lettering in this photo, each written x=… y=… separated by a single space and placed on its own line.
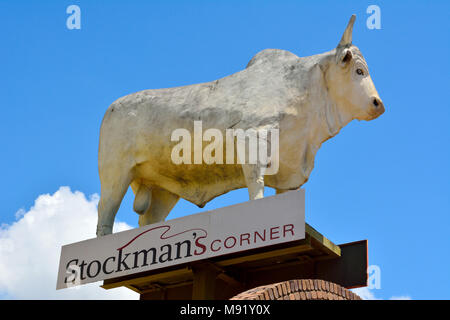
x=263 y=222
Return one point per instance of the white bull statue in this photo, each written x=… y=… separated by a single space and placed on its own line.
x=308 y=100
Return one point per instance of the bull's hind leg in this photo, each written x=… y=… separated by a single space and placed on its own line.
x=162 y=201
x=113 y=188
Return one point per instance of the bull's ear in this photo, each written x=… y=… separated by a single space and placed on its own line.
x=346 y=57
x=346 y=39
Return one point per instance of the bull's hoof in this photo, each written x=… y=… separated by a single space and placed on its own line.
x=103 y=230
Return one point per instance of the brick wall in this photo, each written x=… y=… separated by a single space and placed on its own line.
x=305 y=289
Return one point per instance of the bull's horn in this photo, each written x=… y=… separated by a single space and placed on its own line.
x=347 y=36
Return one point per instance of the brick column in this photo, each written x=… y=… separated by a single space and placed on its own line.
x=304 y=289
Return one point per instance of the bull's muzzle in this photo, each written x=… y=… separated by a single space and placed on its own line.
x=377 y=107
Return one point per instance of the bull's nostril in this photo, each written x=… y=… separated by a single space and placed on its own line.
x=375 y=102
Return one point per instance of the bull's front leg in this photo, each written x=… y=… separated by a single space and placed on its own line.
x=254 y=178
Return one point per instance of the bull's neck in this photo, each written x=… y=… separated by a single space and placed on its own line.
x=331 y=116
x=333 y=120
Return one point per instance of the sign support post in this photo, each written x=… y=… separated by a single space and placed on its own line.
x=204 y=281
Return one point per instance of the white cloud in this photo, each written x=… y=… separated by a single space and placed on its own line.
x=30 y=247
x=367 y=294
x=19 y=214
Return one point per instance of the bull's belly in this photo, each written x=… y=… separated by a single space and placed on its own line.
x=197 y=183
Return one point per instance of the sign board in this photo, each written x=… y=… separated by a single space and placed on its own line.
x=245 y=226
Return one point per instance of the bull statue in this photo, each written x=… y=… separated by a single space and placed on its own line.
x=308 y=100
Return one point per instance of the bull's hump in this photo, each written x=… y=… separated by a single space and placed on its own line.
x=271 y=56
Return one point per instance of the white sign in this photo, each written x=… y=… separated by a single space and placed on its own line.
x=249 y=225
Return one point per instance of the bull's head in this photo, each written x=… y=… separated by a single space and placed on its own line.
x=349 y=81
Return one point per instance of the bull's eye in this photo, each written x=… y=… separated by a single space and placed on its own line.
x=360 y=72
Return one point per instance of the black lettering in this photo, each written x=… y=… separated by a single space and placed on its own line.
x=144 y=261
x=73 y=270
x=104 y=265
x=121 y=262
x=168 y=254
x=188 y=249
x=99 y=267
x=82 y=265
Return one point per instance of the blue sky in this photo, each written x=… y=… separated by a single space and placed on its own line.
x=387 y=180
